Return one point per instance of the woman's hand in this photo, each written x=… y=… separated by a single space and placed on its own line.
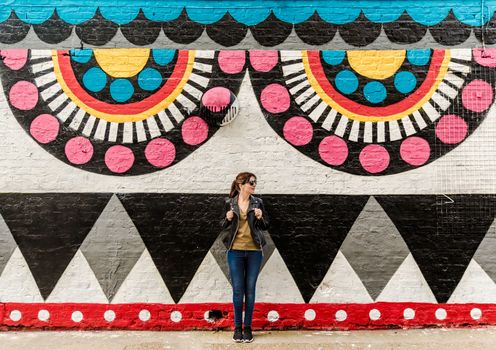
x=229 y=215
x=258 y=213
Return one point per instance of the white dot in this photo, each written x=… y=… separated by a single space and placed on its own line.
x=409 y=314
x=207 y=318
x=374 y=314
x=15 y=315
x=273 y=316
x=176 y=316
x=441 y=314
x=144 y=315
x=341 y=315
x=43 y=315
x=77 y=316
x=109 y=315
x=476 y=313
x=310 y=315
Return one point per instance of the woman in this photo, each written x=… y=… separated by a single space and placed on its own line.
x=246 y=216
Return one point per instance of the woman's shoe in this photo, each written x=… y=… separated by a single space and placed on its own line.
x=238 y=335
x=247 y=335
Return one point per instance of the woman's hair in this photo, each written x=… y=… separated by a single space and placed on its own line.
x=241 y=179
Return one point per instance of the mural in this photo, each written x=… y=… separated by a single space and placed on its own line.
x=370 y=125
x=267 y=23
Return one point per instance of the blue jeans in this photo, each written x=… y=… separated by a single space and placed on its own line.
x=244 y=266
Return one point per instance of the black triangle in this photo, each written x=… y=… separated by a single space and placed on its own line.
x=442 y=233
x=49 y=228
x=308 y=231
x=178 y=230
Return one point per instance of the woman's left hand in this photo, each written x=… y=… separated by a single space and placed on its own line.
x=258 y=213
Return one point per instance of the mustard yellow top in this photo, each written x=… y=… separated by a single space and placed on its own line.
x=243 y=239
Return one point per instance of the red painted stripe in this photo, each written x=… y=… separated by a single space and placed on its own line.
x=408 y=102
x=124 y=109
x=127 y=316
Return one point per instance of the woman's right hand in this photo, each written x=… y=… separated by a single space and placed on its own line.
x=229 y=215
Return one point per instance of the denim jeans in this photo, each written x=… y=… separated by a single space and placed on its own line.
x=244 y=266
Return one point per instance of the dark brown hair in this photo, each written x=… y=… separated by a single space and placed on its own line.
x=241 y=179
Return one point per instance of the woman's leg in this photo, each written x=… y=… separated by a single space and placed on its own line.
x=254 y=260
x=236 y=262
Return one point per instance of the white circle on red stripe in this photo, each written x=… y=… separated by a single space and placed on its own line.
x=310 y=315
x=441 y=314
x=476 y=313
x=374 y=314
x=273 y=316
x=109 y=315
x=341 y=315
x=176 y=316
x=77 y=316
x=206 y=317
x=15 y=315
x=144 y=315
x=43 y=315
x=409 y=314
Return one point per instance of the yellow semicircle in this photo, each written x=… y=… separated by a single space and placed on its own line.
x=122 y=63
x=376 y=64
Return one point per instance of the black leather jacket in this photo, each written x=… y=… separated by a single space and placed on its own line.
x=256 y=226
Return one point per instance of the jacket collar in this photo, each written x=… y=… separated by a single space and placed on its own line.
x=251 y=205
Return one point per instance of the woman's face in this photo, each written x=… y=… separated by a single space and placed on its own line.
x=249 y=186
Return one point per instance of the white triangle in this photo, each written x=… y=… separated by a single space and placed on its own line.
x=17 y=284
x=407 y=285
x=143 y=284
x=475 y=286
x=275 y=283
x=78 y=284
x=209 y=284
x=341 y=284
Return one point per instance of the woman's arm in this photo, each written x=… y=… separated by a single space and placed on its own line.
x=263 y=222
x=224 y=223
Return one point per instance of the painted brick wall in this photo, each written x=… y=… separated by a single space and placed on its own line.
x=371 y=130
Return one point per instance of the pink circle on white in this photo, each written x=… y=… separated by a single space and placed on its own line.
x=263 y=60
x=79 y=150
x=485 y=57
x=477 y=96
x=23 y=95
x=216 y=98
x=298 y=131
x=15 y=59
x=415 y=151
x=275 y=98
x=194 y=131
x=374 y=158
x=333 y=150
x=160 y=152
x=44 y=128
x=451 y=129
x=232 y=62
x=119 y=159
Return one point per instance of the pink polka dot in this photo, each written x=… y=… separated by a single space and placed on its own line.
x=194 y=130
x=333 y=150
x=374 y=158
x=216 y=98
x=231 y=62
x=451 y=129
x=485 y=57
x=44 y=128
x=119 y=159
x=477 y=96
x=415 y=151
x=79 y=150
x=263 y=60
x=15 y=59
x=23 y=95
x=298 y=131
x=160 y=152
x=275 y=98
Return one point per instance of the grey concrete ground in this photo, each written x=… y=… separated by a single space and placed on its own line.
x=438 y=339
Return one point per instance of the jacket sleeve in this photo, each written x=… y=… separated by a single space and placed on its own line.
x=263 y=223
x=224 y=223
